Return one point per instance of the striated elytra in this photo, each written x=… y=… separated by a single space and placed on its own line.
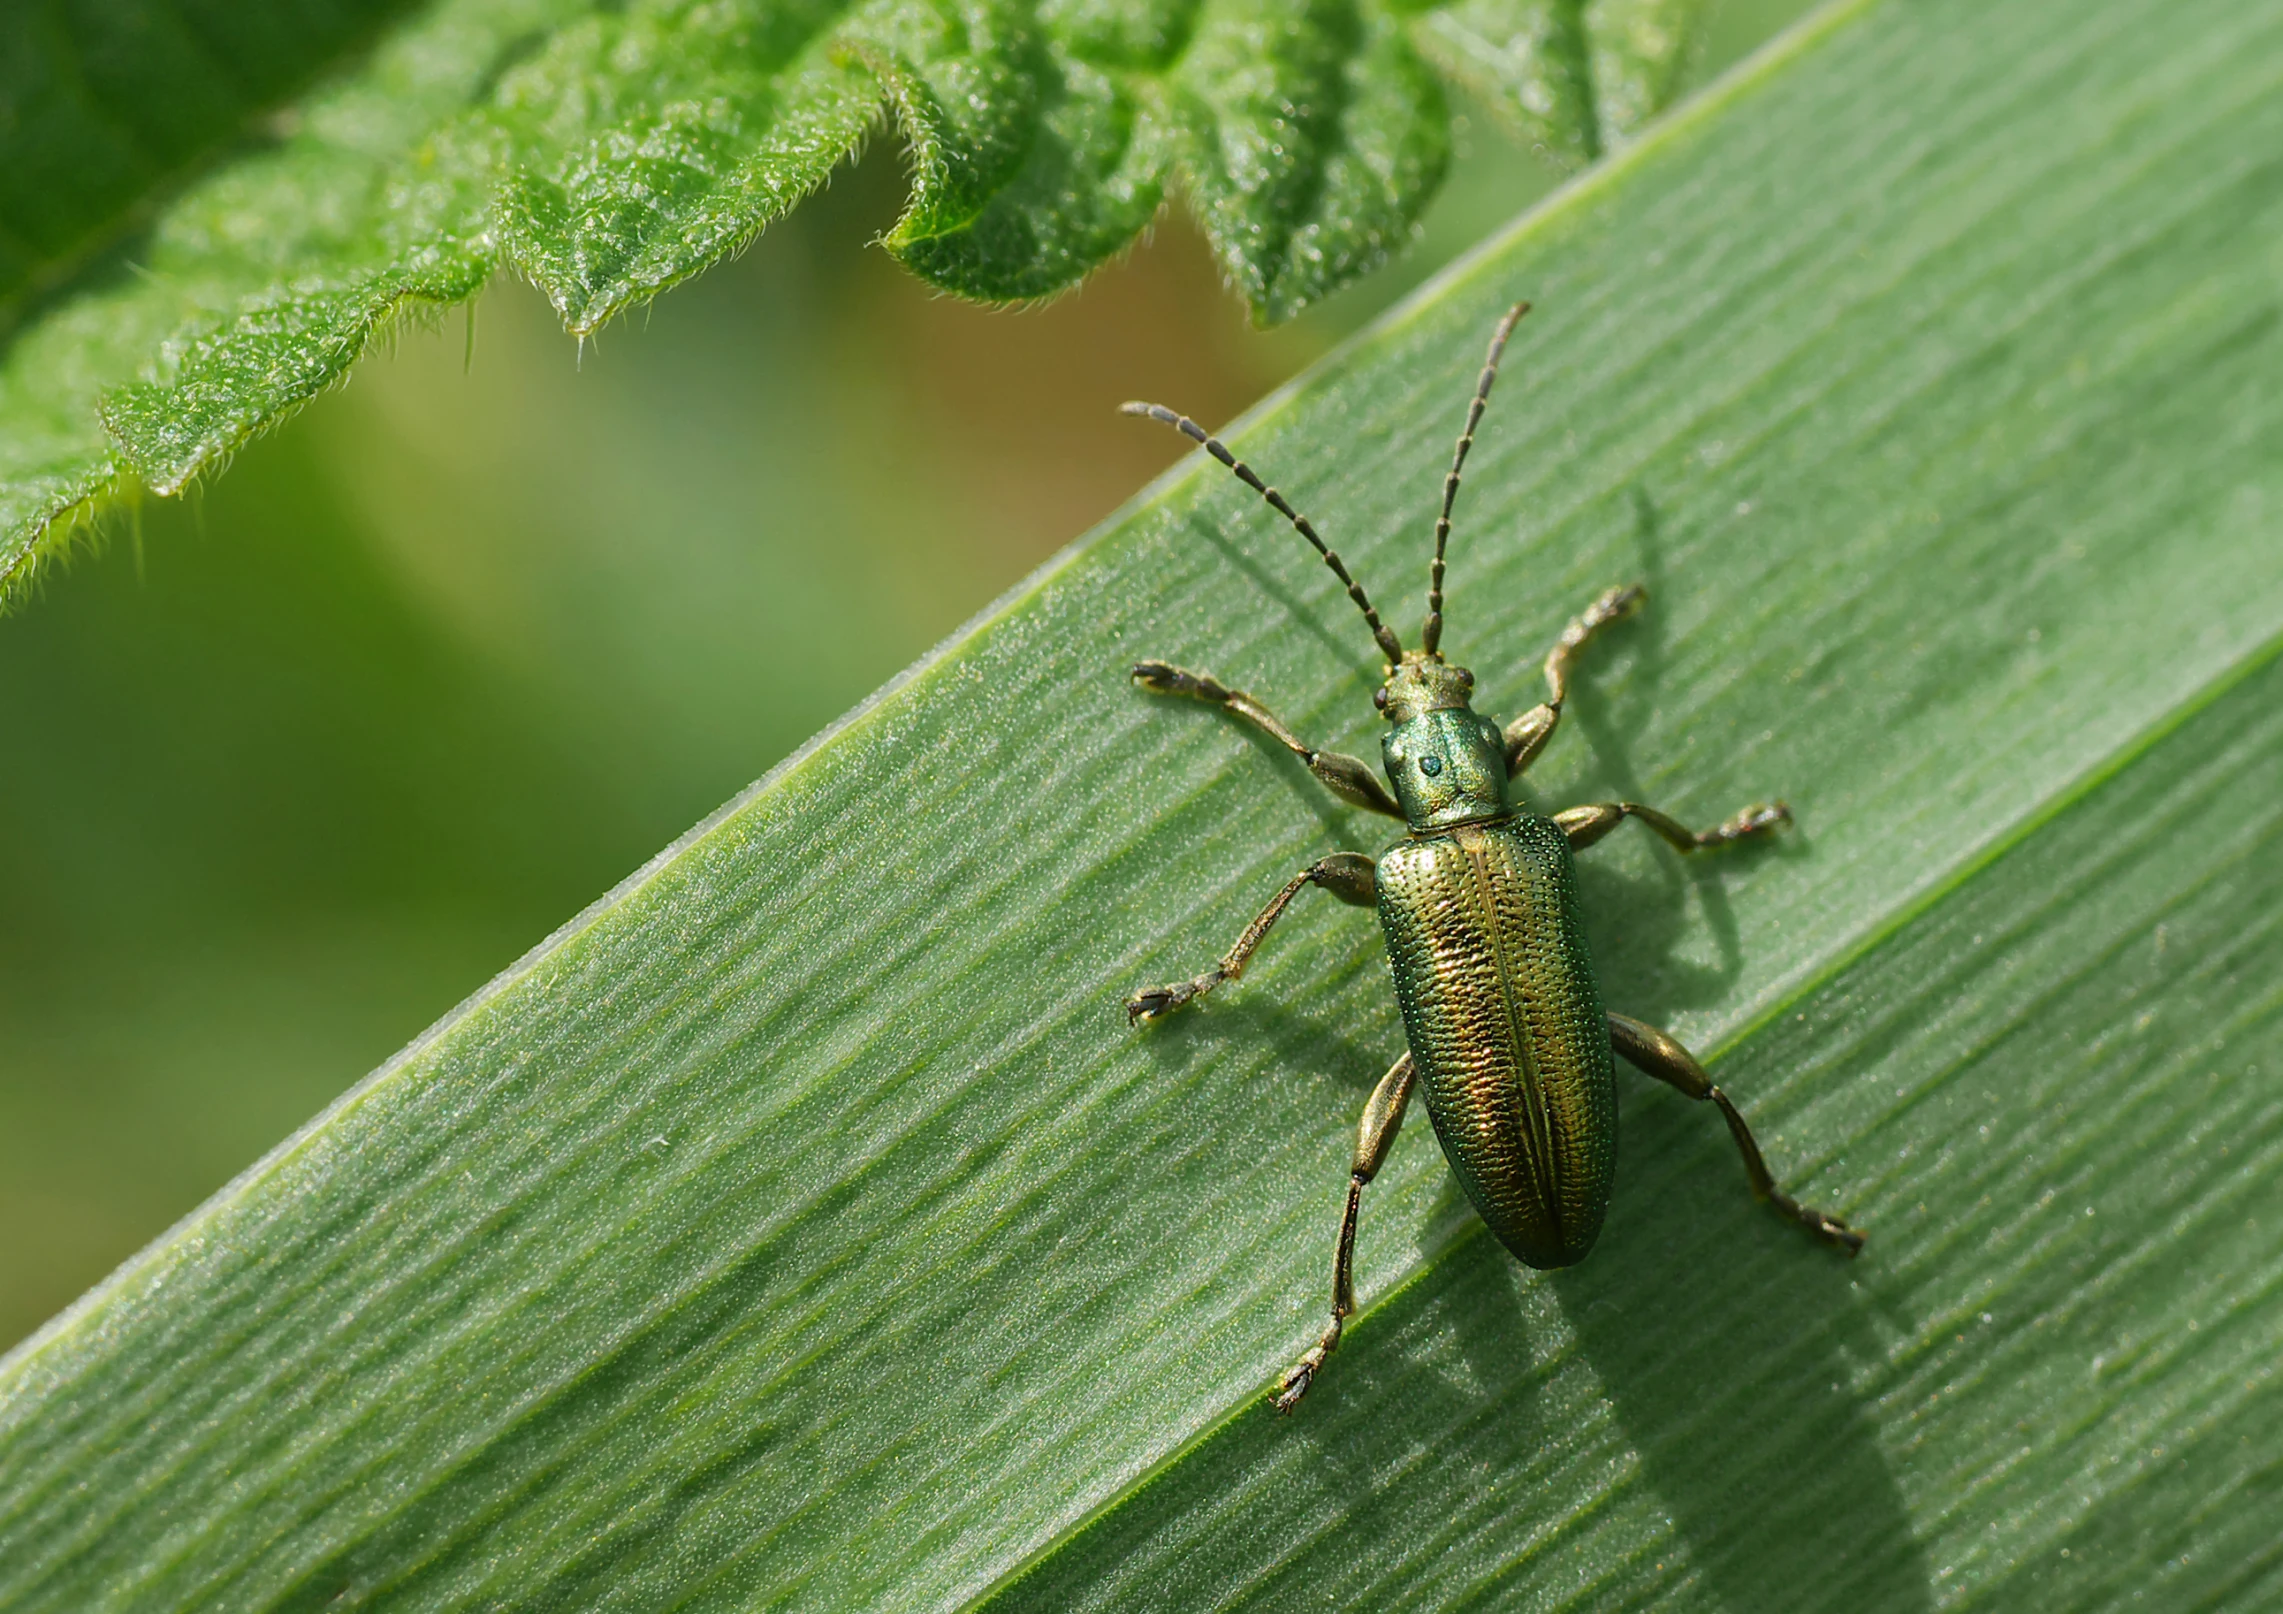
x=1507 y=1035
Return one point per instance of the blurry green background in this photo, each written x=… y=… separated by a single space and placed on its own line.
x=289 y=767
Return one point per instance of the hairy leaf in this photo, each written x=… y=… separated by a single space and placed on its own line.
x=802 y=1226
x=608 y=151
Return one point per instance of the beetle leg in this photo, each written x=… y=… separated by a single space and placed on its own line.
x=1527 y=735
x=1649 y=1049
x=1350 y=876
x=1375 y=1135
x=1585 y=825
x=1351 y=779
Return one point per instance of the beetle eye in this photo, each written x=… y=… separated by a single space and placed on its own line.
x=1379 y=698
x=1430 y=765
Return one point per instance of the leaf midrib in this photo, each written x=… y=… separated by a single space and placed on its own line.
x=1905 y=914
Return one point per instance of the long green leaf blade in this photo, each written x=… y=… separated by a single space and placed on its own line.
x=803 y=1225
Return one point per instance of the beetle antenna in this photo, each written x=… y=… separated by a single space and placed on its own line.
x=1388 y=643
x=1431 y=636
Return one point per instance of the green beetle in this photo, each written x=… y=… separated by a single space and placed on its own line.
x=1484 y=937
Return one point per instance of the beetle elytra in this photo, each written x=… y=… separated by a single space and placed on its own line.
x=1478 y=905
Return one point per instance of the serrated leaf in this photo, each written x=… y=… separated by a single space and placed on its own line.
x=1637 y=51
x=1311 y=128
x=608 y=152
x=1532 y=63
x=803 y=1227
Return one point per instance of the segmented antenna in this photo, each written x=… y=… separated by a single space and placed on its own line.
x=1431 y=636
x=1391 y=646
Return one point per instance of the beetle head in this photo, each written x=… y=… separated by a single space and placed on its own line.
x=1423 y=682
x=1446 y=761
x=1448 y=765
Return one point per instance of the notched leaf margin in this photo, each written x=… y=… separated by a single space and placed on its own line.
x=627 y=152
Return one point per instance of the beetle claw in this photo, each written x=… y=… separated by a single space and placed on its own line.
x=1833 y=1231
x=1296 y=1380
x=1616 y=604
x=1758 y=819
x=1164 y=678
x=1150 y=1004
x=1303 y=1373
x=1159 y=1001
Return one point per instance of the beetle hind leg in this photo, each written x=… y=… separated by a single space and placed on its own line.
x=1375 y=1135
x=1648 y=1049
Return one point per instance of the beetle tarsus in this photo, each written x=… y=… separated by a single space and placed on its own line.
x=1303 y=1373
x=1825 y=1226
x=1832 y=1231
x=1350 y=876
x=1761 y=818
x=1615 y=605
x=1164 y=678
x=1294 y=1386
x=1159 y=1001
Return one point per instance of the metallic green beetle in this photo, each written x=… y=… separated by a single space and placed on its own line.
x=1479 y=905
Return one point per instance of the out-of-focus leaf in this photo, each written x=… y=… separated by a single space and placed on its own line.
x=607 y=152
x=105 y=103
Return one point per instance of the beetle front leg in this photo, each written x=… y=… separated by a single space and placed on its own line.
x=1646 y=1048
x=1375 y=1135
x=1585 y=825
x=1351 y=779
x=1350 y=876
x=1527 y=735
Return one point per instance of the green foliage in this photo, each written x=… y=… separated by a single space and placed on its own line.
x=802 y=1225
x=607 y=152
x=106 y=103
